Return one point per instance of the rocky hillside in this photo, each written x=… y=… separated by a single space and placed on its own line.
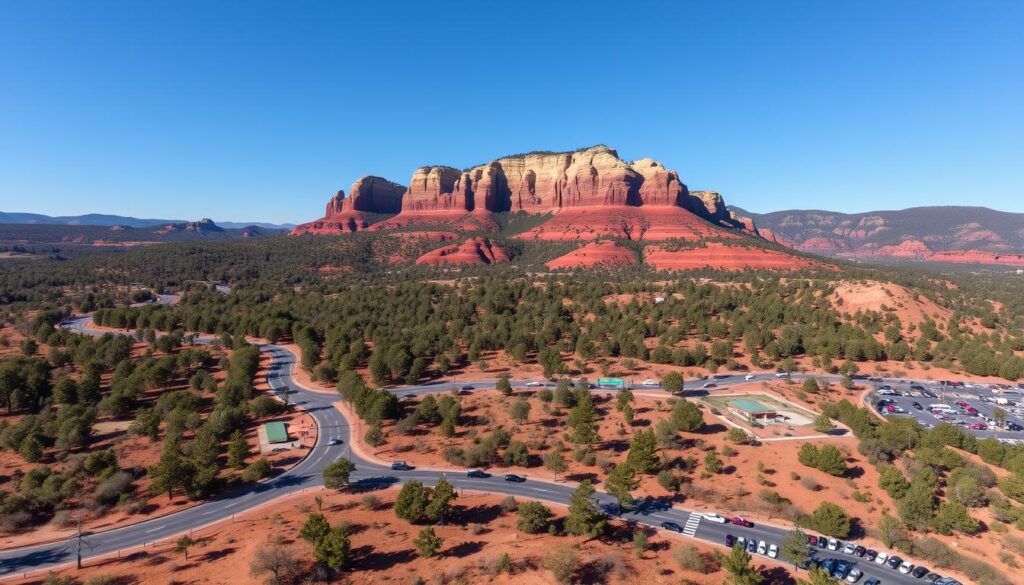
x=536 y=183
x=975 y=235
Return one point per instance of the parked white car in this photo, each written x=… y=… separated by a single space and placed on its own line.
x=833 y=544
x=881 y=558
x=762 y=548
x=773 y=551
x=712 y=517
x=854 y=576
x=906 y=567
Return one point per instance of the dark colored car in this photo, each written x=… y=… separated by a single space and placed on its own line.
x=919 y=572
x=514 y=478
x=672 y=526
x=870 y=554
x=917 y=405
x=751 y=546
x=808 y=563
x=894 y=562
x=873 y=581
x=859 y=551
x=729 y=540
x=841 y=569
x=828 y=565
x=822 y=542
x=400 y=466
x=476 y=473
x=931 y=577
x=467 y=388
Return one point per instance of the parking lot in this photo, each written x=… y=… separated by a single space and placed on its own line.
x=972 y=406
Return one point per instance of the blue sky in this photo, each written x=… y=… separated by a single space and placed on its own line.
x=261 y=110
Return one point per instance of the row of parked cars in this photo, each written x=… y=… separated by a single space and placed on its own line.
x=846 y=570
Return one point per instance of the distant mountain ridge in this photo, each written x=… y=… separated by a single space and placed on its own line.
x=107 y=235
x=99 y=219
x=958 y=234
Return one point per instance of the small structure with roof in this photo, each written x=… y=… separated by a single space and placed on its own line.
x=275 y=432
x=752 y=410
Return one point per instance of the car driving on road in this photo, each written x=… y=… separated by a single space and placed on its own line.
x=672 y=526
x=514 y=478
x=477 y=474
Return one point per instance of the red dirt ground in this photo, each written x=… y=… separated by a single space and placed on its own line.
x=477 y=534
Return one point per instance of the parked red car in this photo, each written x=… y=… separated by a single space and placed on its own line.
x=741 y=521
x=979 y=426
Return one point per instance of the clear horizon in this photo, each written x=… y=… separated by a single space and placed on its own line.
x=193 y=110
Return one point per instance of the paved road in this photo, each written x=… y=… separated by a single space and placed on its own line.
x=371 y=475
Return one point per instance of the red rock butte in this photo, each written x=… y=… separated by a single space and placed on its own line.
x=472 y=251
x=591 y=185
x=606 y=254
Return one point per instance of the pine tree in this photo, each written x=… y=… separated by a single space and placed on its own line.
x=441 y=498
x=620 y=483
x=171 y=471
x=427 y=543
x=554 y=462
x=337 y=474
x=315 y=528
x=583 y=420
x=334 y=549
x=737 y=567
x=584 y=518
x=238 y=450
x=686 y=416
x=643 y=452
x=504 y=385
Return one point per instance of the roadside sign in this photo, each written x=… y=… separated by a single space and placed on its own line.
x=618 y=382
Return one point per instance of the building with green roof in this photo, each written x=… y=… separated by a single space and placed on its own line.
x=752 y=410
x=276 y=432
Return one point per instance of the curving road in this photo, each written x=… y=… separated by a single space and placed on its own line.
x=370 y=475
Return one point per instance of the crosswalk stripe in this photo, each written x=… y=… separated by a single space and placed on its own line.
x=692 y=522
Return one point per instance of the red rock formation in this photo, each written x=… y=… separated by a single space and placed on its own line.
x=373 y=195
x=719 y=256
x=606 y=254
x=633 y=223
x=540 y=182
x=472 y=251
x=348 y=214
x=434 y=189
x=660 y=186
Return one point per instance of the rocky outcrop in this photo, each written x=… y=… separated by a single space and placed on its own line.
x=472 y=251
x=374 y=195
x=536 y=182
x=606 y=254
x=348 y=214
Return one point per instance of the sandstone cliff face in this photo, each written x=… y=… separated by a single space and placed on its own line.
x=540 y=182
x=374 y=195
x=659 y=186
x=433 y=189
